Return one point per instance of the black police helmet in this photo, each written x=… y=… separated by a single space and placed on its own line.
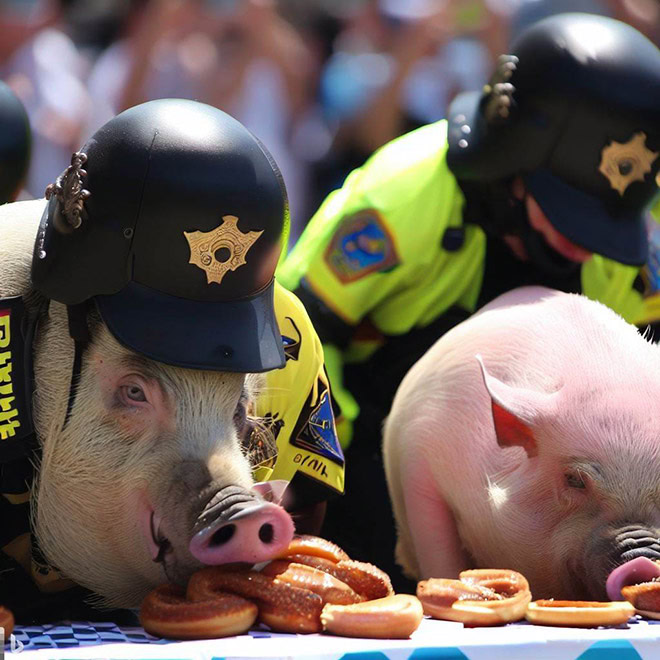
x=575 y=109
x=172 y=218
x=15 y=139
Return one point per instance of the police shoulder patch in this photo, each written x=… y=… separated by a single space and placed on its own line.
x=361 y=245
x=317 y=433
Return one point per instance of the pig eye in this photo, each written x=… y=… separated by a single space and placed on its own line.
x=574 y=480
x=134 y=393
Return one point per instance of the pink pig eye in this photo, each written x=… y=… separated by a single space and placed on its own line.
x=133 y=393
x=574 y=480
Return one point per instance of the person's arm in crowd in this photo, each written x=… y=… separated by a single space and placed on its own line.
x=253 y=31
x=155 y=23
x=382 y=118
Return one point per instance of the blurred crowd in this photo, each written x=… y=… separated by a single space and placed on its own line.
x=322 y=83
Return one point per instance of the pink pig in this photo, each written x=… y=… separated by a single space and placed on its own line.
x=528 y=437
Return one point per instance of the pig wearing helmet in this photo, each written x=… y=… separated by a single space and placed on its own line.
x=151 y=312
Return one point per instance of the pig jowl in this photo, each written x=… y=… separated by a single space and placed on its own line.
x=528 y=438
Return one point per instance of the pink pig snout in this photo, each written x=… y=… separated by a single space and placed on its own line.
x=251 y=531
x=634 y=571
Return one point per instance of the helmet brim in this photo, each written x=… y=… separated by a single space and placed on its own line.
x=238 y=335
x=585 y=220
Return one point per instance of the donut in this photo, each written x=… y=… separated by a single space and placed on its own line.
x=482 y=597
x=166 y=612
x=6 y=621
x=305 y=544
x=645 y=597
x=579 y=613
x=394 y=617
x=283 y=607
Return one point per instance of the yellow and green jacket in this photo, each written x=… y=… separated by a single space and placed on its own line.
x=373 y=255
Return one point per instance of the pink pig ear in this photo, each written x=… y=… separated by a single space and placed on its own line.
x=515 y=410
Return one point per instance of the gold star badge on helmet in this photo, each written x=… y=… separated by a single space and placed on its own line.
x=220 y=250
x=625 y=162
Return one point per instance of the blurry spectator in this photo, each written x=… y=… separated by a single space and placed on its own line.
x=14 y=144
x=395 y=67
x=644 y=15
x=146 y=62
x=43 y=67
x=263 y=75
x=239 y=55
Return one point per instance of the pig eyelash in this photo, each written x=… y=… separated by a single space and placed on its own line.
x=258 y=442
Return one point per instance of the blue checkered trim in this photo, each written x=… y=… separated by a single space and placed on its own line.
x=86 y=633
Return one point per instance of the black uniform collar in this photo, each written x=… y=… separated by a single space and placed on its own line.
x=17 y=436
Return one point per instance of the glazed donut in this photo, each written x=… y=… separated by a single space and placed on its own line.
x=283 y=607
x=165 y=612
x=6 y=621
x=305 y=544
x=365 y=579
x=394 y=617
x=482 y=597
x=645 y=597
x=578 y=613
x=324 y=584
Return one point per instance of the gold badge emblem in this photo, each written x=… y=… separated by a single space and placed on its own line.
x=623 y=163
x=220 y=250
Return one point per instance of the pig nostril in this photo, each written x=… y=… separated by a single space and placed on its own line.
x=223 y=535
x=650 y=552
x=266 y=533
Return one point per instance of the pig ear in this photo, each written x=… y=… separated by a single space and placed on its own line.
x=515 y=410
x=272 y=491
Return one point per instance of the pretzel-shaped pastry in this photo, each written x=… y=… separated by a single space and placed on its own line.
x=481 y=597
x=282 y=606
x=305 y=544
x=365 y=579
x=289 y=595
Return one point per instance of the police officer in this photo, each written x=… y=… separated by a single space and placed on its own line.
x=541 y=178
x=14 y=144
x=169 y=224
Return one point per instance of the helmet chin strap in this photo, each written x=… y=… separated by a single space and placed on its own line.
x=492 y=206
x=542 y=255
x=77 y=316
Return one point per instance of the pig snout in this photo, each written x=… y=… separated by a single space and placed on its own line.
x=636 y=541
x=238 y=526
x=636 y=552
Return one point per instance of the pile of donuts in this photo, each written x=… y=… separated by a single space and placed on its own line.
x=487 y=597
x=312 y=587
